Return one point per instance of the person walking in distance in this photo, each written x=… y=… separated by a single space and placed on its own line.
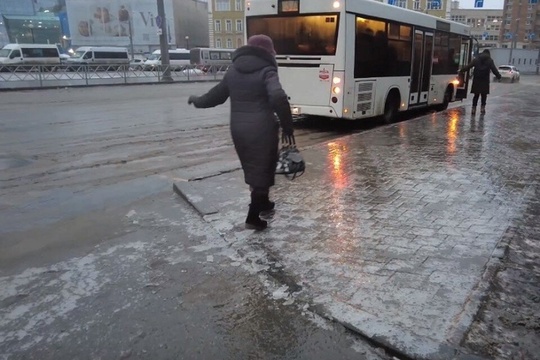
x=483 y=66
x=256 y=95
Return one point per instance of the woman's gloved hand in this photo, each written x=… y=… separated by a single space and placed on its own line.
x=287 y=138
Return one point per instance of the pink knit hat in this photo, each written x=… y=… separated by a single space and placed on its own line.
x=262 y=41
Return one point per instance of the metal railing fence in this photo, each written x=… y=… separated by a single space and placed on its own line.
x=37 y=76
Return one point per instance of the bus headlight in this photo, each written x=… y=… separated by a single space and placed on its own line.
x=336 y=80
x=336 y=90
x=456 y=82
x=336 y=4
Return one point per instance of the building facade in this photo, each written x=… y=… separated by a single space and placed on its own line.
x=30 y=21
x=226 y=22
x=521 y=25
x=485 y=24
x=439 y=8
x=76 y=23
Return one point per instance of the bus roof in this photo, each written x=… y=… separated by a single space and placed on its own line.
x=177 y=51
x=102 y=48
x=29 y=46
x=368 y=8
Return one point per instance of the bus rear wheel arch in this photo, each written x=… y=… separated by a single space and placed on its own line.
x=447 y=98
x=391 y=106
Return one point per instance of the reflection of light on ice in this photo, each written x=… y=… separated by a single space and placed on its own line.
x=452 y=132
x=341 y=219
x=336 y=151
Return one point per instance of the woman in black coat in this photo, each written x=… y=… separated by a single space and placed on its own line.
x=256 y=95
x=483 y=65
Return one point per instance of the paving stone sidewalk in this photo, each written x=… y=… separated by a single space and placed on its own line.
x=396 y=232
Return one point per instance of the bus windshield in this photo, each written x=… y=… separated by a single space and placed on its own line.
x=298 y=35
x=4 y=52
x=154 y=57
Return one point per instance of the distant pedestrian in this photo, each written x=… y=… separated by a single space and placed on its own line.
x=483 y=65
x=256 y=95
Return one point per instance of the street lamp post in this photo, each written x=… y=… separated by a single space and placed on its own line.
x=164 y=46
x=31 y=27
x=187 y=42
x=131 y=38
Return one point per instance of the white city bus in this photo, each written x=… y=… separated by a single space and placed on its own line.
x=211 y=59
x=358 y=59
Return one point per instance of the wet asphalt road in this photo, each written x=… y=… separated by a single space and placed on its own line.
x=84 y=276
x=74 y=162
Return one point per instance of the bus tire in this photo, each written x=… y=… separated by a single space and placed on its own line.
x=446 y=99
x=391 y=107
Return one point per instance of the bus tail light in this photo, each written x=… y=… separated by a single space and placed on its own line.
x=336 y=88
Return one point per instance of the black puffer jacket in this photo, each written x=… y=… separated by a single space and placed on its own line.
x=256 y=94
x=483 y=67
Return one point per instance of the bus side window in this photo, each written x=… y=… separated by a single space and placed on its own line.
x=15 y=54
x=87 y=55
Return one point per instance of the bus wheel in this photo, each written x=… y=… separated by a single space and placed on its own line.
x=446 y=99
x=391 y=107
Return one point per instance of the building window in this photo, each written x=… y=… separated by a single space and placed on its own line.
x=239 y=27
x=217 y=26
x=223 y=5
x=229 y=44
x=402 y=3
x=228 y=25
x=238 y=42
x=416 y=5
x=218 y=43
x=459 y=18
x=238 y=5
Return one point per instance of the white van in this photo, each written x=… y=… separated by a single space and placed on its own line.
x=179 y=59
x=30 y=54
x=93 y=55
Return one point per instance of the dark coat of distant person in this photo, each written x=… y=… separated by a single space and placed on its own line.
x=483 y=67
x=256 y=95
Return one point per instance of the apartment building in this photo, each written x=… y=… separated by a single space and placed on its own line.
x=439 y=8
x=521 y=24
x=485 y=24
x=226 y=23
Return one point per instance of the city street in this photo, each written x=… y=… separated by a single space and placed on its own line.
x=369 y=255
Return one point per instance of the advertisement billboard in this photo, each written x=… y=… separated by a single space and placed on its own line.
x=106 y=22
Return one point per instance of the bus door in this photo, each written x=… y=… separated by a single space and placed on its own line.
x=464 y=59
x=422 y=62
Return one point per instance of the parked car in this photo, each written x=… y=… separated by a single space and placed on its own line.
x=509 y=72
x=99 y=56
x=178 y=60
x=13 y=55
x=193 y=71
x=136 y=64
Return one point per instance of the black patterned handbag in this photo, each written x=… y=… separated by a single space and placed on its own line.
x=290 y=162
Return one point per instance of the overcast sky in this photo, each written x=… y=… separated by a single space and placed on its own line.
x=488 y=4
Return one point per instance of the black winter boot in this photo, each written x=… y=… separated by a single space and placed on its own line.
x=473 y=110
x=482 y=110
x=267 y=205
x=253 y=222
